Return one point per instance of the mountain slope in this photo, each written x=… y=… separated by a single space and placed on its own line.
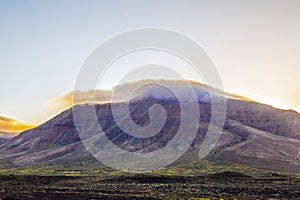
x=265 y=118
x=263 y=149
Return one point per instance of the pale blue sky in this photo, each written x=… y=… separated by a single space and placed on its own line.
x=255 y=45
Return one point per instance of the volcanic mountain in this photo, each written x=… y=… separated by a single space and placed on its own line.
x=255 y=135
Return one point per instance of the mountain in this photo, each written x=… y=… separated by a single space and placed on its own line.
x=254 y=134
x=11 y=127
x=2 y=140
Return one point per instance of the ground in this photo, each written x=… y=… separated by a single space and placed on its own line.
x=226 y=185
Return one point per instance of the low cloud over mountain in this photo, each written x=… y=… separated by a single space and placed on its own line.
x=254 y=134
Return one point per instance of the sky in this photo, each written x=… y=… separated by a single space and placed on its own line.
x=254 y=45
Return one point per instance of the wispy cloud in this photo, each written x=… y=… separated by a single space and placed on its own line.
x=12 y=126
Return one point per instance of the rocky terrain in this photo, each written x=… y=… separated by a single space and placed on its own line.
x=225 y=185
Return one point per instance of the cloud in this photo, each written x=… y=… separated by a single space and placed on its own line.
x=71 y=98
x=79 y=97
x=12 y=126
